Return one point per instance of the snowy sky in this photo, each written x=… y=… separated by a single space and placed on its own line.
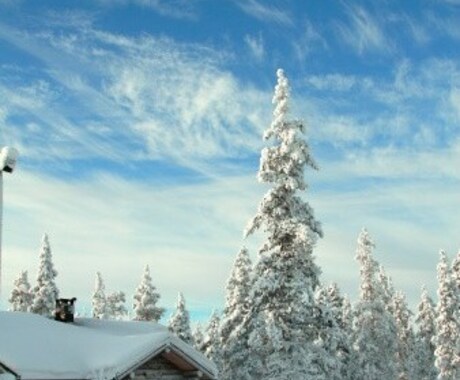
x=139 y=124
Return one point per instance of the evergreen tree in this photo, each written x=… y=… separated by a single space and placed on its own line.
x=447 y=324
x=99 y=301
x=283 y=318
x=179 y=323
x=426 y=320
x=405 y=358
x=233 y=336
x=456 y=276
x=21 y=295
x=198 y=337
x=386 y=286
x=115 y=306
x=211 y=342
x=375 y=342
x=331 y=337
x=146 y=299
x=45 y=291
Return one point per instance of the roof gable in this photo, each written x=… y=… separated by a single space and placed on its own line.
x=39 y=348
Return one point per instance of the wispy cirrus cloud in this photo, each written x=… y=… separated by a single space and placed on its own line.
x=363 y=32
x=265 y=13
x=179 y=9
x=256 y=45
x=152 y=94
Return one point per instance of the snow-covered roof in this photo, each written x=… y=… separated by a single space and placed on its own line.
x=35 y=347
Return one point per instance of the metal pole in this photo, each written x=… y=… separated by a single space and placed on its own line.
x=1 y=228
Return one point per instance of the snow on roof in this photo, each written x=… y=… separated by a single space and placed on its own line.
x=40 y=348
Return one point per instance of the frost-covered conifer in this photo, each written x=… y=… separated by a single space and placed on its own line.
x=426 y=321
x=45 y=291
x=456 y=275
x=331 y=337
x=447 y=324
x=21 y=295
x=179 y=323
x=386 y=286
x=375 y=341
x=233 y=335
x=198 y=337
x=146 y=299
x=284 y=319
x=211 y=342
x=405 y=355
x=99 y=301
x=115 y=306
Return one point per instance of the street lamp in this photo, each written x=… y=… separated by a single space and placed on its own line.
x=8 y=157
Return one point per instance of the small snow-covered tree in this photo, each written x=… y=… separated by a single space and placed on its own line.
x=198 y=337
x=179 y=323
x=447 y=324
x=45 y=291
x=284 y=318
x=426 y=321
x=331 y=337
x=375 y=340
x=405 y=358
x=99 y=301
x=145 y=300
x=387 y=289
x=21 y=295
x=115 y=305
x=233 y=335
x=211 y=341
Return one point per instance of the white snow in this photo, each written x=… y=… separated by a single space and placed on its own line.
x=39 y=348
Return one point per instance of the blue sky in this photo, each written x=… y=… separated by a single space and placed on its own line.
x=139 y=125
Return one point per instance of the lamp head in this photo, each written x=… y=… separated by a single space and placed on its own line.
x=8 y=158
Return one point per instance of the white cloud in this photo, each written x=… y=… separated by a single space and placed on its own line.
x=255 y=45
x=363 y=32
x=179 y=9
x=265 y=13
x=151 y=93
x=309 y=39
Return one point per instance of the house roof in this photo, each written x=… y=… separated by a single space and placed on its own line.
x=35 y=347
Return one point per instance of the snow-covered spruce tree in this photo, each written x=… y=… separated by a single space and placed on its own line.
x=21 y=296
x=426 y=320
x=115 y=305
x=387 y=289
x=405 y=355
x=45 y=291
x=198 y=337
x=211 y=342
x=145 y=300
x=456 y=276
x=99 y=301
x=447 y=324
x=283 y=317
x=331 y=337
x=179 y=323
x=233 y=336
x=375 y=340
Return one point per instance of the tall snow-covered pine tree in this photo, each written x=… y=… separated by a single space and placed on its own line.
x=375 y=339
x=45 y=291
x=179 y=323
x=447 y=324
x=233 y=336
x=145 y=300
x=99 y=300
x=283 y=322
x=424 y=352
